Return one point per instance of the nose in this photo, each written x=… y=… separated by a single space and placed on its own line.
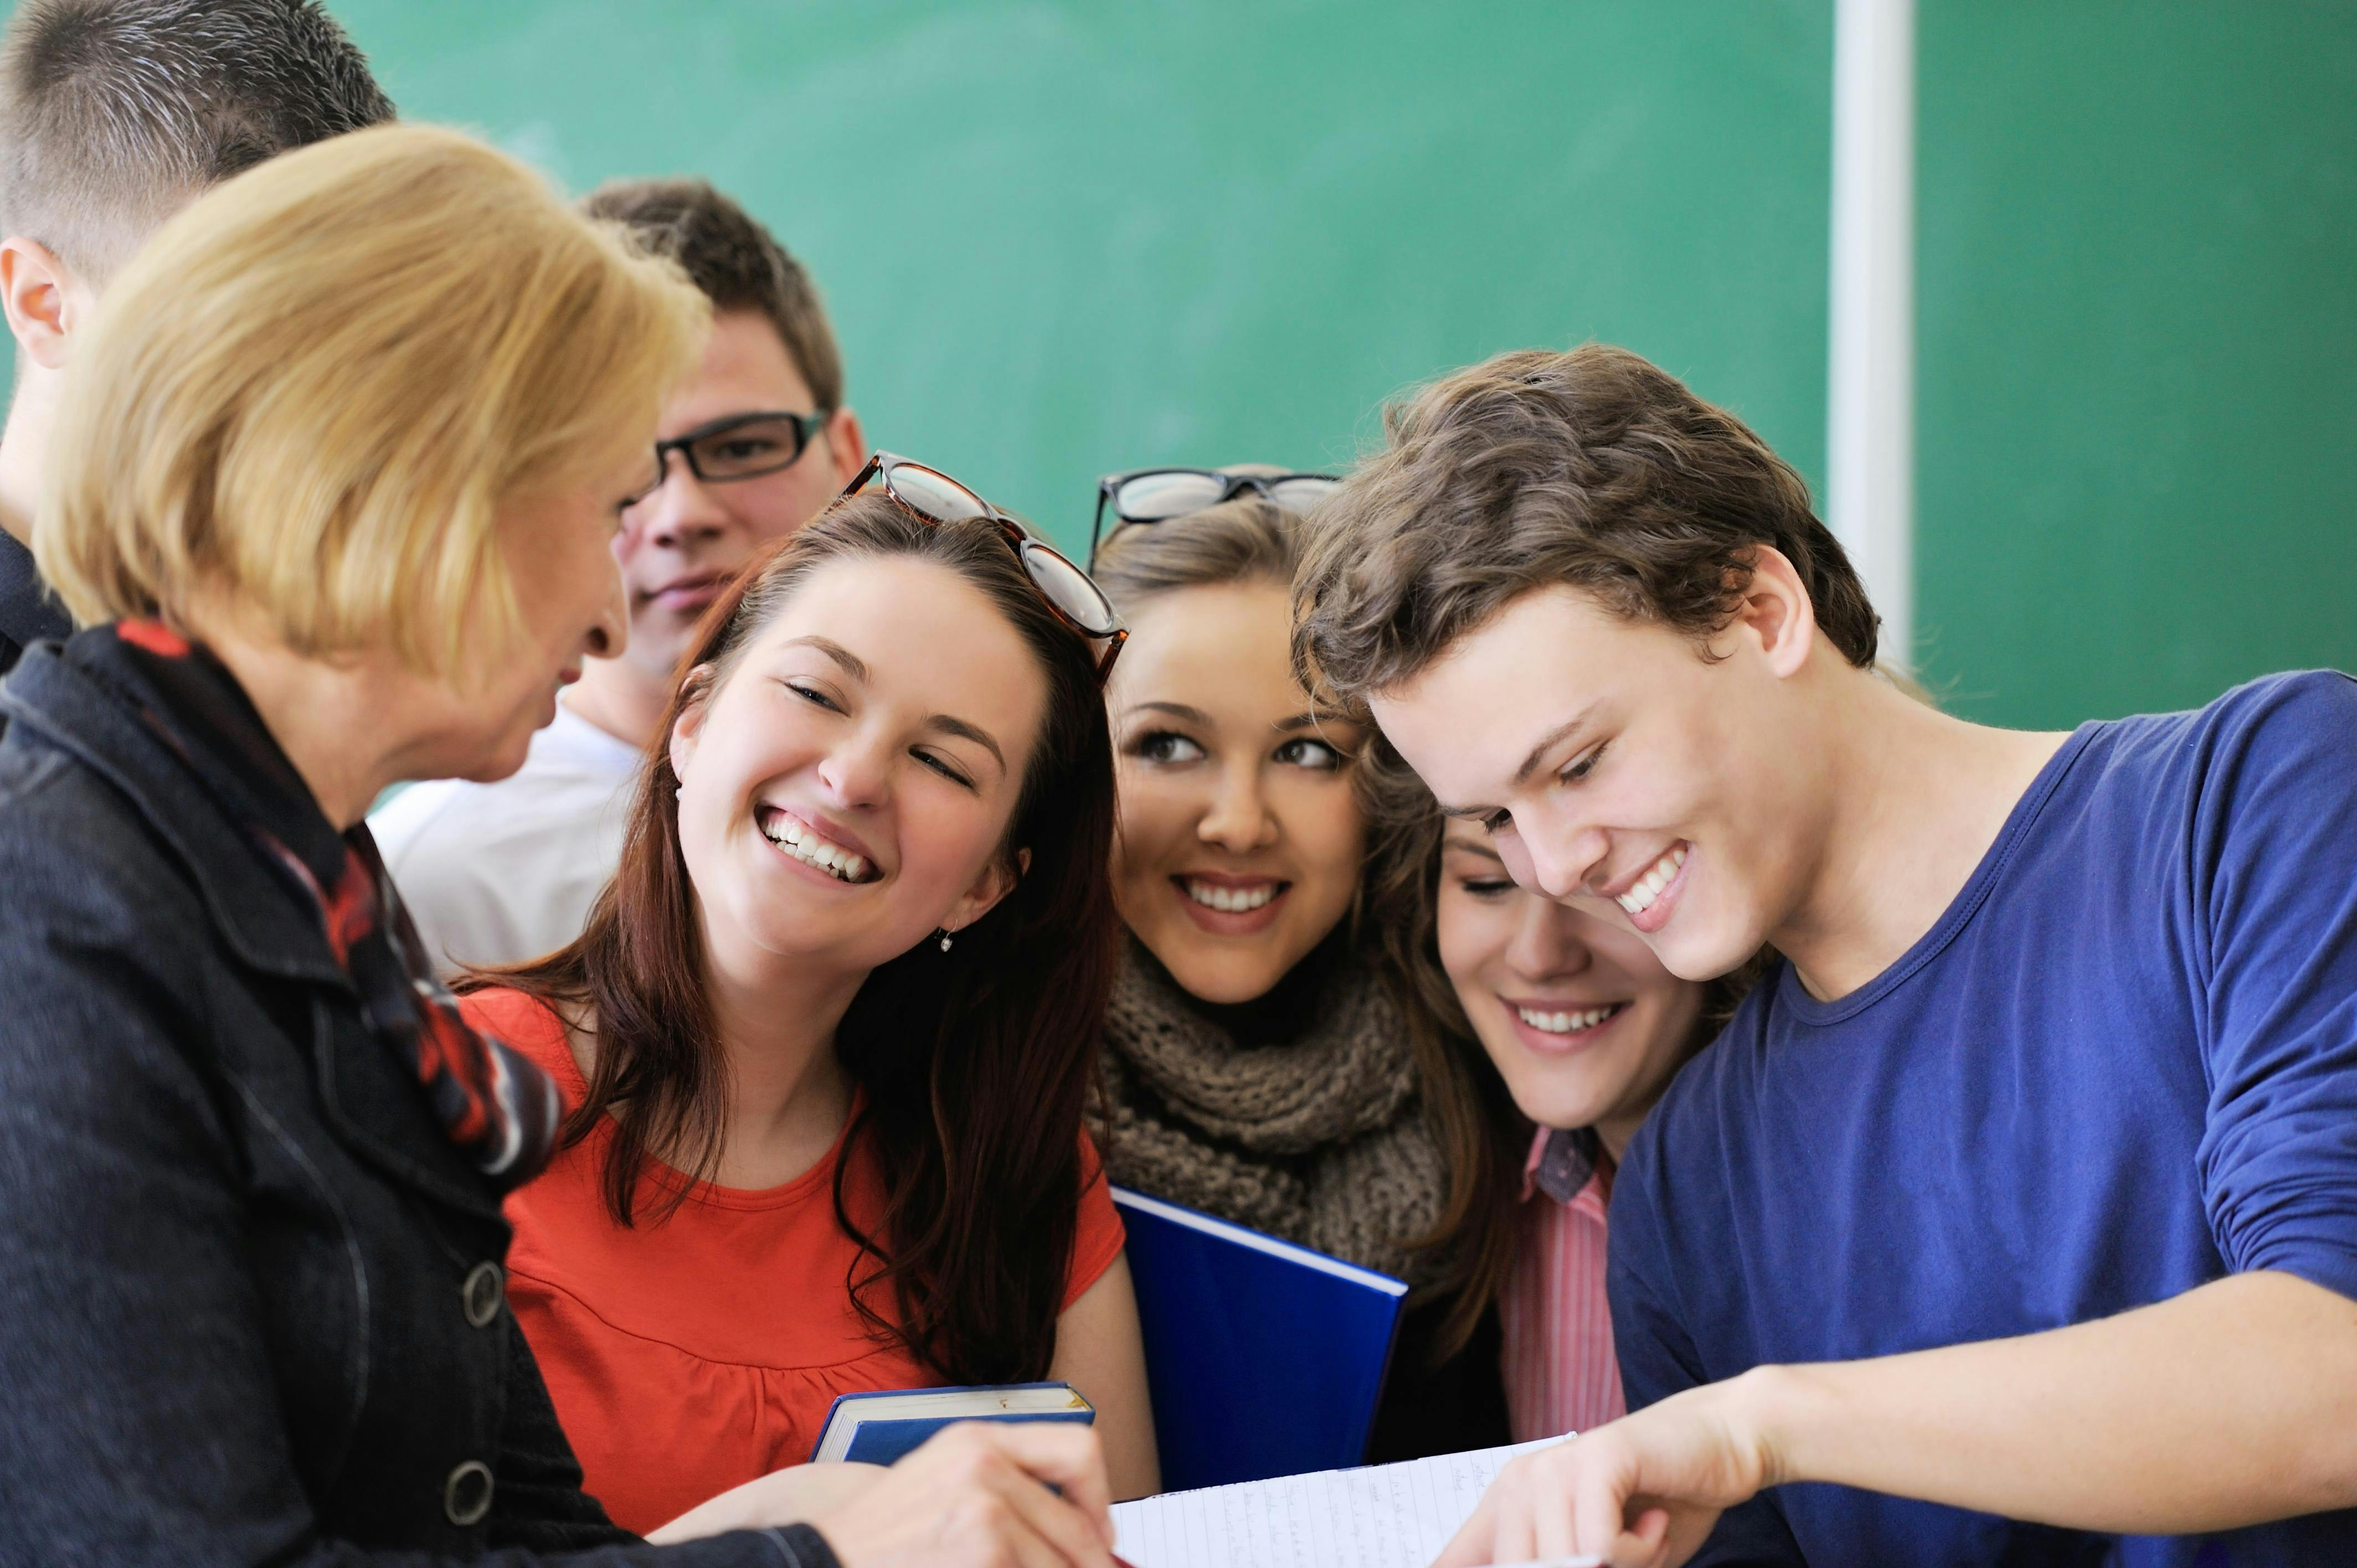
x=680 y=511
x=1546 y=944
x=1238 y=820
x=857 y=773
x=1560 y=861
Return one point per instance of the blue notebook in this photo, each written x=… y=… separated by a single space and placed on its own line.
x=878 y=1428
x=1264 y=1358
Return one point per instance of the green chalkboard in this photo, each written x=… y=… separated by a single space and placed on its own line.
x=1060 y=238
x=2138 y=350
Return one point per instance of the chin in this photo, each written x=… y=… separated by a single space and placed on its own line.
x=1207 y=978
x=1701 y=950
x=498 y=763
x=1564 y=1099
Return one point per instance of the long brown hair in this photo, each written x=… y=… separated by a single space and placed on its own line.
x=1249 y=540
x=976 y=1063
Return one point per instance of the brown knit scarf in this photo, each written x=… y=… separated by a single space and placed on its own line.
x=1320 y=1139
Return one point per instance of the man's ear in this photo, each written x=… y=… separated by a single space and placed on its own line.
x=846 y=444
x=43 y=299
x=1776 y=611
x=999 y=879
x=689 y=727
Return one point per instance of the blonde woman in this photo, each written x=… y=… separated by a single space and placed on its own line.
x=340 y=467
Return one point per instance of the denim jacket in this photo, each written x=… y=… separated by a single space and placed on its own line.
x=251 y=1305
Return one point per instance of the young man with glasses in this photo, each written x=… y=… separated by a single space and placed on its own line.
x=753 y=445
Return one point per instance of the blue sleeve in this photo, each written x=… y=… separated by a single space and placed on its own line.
x=1658 y=1358
x=2273 y=941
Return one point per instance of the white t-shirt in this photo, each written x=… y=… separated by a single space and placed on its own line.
x=501 y=873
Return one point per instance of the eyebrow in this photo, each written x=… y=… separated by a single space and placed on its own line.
x=1176 y=710
x=853 y=665
x=940 y=724
x=949 y=723
x=1483 y=850
x=1312 y=721
x=1548 y=742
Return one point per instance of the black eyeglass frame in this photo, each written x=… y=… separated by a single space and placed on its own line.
x=882 y=465
x=804 y=425
x=1231 y=486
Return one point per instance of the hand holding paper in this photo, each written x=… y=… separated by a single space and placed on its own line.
x=1642 y=1492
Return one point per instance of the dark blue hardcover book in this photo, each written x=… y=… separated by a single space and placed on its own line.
x=878 y=1428
x=1264 y=1358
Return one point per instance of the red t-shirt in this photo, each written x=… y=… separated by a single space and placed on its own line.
x=691 y=1355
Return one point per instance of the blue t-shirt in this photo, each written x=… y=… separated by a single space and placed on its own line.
x=2123 y=1064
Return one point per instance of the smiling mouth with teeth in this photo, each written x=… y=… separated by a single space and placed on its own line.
x=1231 y=900
x=1575 y=1021
x=1640 y=899
x=801 y=841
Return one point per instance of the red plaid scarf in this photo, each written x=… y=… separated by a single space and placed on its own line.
x=492 y=1101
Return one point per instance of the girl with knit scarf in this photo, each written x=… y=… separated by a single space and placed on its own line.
x=1268 y=1058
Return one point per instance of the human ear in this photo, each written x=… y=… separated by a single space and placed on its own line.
x=846 y=444
x=999 y=879
x=689 y=727
x=43 y=298
x=1777 y=612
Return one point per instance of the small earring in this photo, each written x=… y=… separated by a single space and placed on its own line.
x=945 y=942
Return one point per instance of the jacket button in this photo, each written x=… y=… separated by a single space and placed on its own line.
x=482 y=1292
x=467 y=1494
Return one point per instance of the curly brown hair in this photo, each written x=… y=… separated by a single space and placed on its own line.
x=1594 y=469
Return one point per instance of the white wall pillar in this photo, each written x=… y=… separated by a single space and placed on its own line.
x=1870 y=413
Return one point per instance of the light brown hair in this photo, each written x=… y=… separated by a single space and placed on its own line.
x=1593 y=469
x=1248 y=540
x=114 y=113
x=737 y=263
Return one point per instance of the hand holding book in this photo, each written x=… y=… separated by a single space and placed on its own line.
x=982 y=1489
x=983 y=1492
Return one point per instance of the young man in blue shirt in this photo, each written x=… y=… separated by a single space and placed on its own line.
x=2014 y=1216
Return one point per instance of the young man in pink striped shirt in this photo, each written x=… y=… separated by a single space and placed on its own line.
x=1587 y=1029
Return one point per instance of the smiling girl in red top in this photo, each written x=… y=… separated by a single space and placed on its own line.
x=826 y=1039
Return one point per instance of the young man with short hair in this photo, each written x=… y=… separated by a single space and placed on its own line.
x=2025 y=1188
x=113 y=115
x=754 y=444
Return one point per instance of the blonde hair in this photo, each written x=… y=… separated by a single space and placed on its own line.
x=309 y=394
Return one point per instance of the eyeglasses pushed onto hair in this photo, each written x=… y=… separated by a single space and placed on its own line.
x=1157 y=495
x=931 y=495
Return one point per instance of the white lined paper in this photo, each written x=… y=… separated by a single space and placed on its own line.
x=1384 y=1516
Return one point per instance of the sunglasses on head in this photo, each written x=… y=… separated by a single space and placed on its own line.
x=931 y=495
x=1157 y=495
